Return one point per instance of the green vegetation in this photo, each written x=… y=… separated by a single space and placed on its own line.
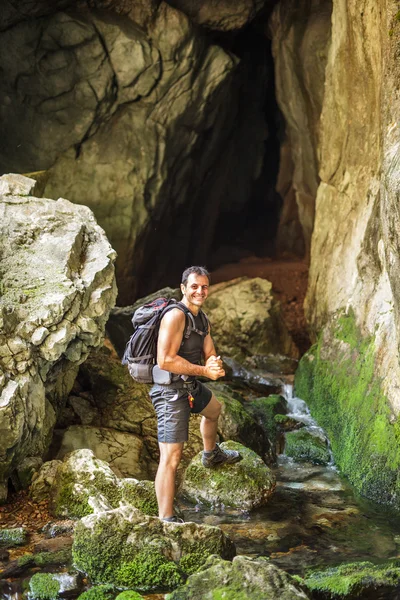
x=99 y=592
x=43 y=586
x=141 y=494
x=149 y=570
x=302 y=446
x=337 y=379
x=264 y=410
x=129 y=595
x=13 y=537
x=354 y=580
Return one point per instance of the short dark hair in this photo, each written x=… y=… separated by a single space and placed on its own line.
x=197 y=271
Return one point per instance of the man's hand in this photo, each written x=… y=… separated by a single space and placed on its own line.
x=213 y=367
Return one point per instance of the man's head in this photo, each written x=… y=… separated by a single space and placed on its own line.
x=194 y=286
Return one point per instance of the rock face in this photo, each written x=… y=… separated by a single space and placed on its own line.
x=58 y=287
x=124 y=547
x=223 y=16
x=245 y=320
x=244 y=578
x=126 y=110
x=245 y=485
x=353 y=294
x=300 y=42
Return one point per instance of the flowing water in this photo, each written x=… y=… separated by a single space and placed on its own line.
x=313 y=519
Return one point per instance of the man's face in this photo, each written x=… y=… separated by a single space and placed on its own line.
x=196 y=289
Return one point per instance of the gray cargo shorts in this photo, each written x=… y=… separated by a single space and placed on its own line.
x=173 y=409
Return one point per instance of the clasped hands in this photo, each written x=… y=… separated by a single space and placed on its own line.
x=214 y=367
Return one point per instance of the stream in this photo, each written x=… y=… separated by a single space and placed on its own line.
x=312 y=520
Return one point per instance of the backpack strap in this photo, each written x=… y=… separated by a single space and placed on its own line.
x=190 y=322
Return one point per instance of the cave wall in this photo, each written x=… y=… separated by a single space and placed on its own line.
x=300 y=40
x=351 y=377
x=134 y=112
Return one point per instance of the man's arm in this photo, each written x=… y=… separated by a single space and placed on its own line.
x=169 y=341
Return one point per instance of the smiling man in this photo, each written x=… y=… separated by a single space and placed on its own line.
x=180 y=353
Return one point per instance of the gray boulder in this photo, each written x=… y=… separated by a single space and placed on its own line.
x=244 y=578
x=58 y=287
x=244 y=485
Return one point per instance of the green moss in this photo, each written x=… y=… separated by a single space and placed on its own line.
x=264 y=410
x=60 y=557
x=99 y=592
x=337 y=380
x=302 y=446
x=192 y=562
x=149 y=570
x=287 y=423
x=354 y=579
x=129 y=595
x=43 y=586
x=13 y=537
x=142 y=495
x=26 y=559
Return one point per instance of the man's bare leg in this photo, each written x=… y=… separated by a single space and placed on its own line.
x=209 y=424
x=170 y=457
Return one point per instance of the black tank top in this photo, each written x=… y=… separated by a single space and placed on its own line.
x=192 y=347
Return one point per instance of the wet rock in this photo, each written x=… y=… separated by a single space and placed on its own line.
x=53 y=544
x=246 y=320
x=245 y=485
x=40 y=487
x=238 y=425
x=52 y=530
x=273 y=363
x=17 y=536
x=356 y=580
x=264 y=410
x=126 y=548
x=287 y=423
x=304 y=446
x=244 y=578
x=22 y=477
x=256 y=379
x=58 y=287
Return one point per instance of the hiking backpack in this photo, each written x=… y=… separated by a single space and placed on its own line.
x=141 y=350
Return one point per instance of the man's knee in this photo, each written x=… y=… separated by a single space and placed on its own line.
x=170 y=455
x=212 y=410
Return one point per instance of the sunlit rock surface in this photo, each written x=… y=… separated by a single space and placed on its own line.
x=245 y=320
x=224 y=15
x=57 y=288
x=353 y=294
x=244 y=578
x=300 y=43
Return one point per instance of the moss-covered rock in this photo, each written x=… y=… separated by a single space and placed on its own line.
x=242 y=579
x=129 y=595
x=17 y=536
x=44 y=559
x=304 y=446
x=83 y=484
x=99 y=592
x=237 y=424
x=287 y=423
x=244 y=485
x=263 y=410
x=44 y=586
x=140 y=494
x=337 y=380
x=128 y=549
x=355 y=580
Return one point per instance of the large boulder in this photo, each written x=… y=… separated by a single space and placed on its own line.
x=124 y=547
x=244 y=485
x=223 y=16
x=244 y=578
x=245 y=320
x=58 y=287
x=83 y=485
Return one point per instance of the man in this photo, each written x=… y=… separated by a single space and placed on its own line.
x=175 y=401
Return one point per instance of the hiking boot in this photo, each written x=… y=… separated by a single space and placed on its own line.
x=220 y=457
x=173 y=519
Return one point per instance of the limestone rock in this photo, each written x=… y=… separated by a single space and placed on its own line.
x=246 y=320
x=58 y=287
x=41 y=484
x=304 y=446
x=124 y=547
x=244 y=578
x=224 y=15
x=245 y=485
x=301 y=35
x=238 y=425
